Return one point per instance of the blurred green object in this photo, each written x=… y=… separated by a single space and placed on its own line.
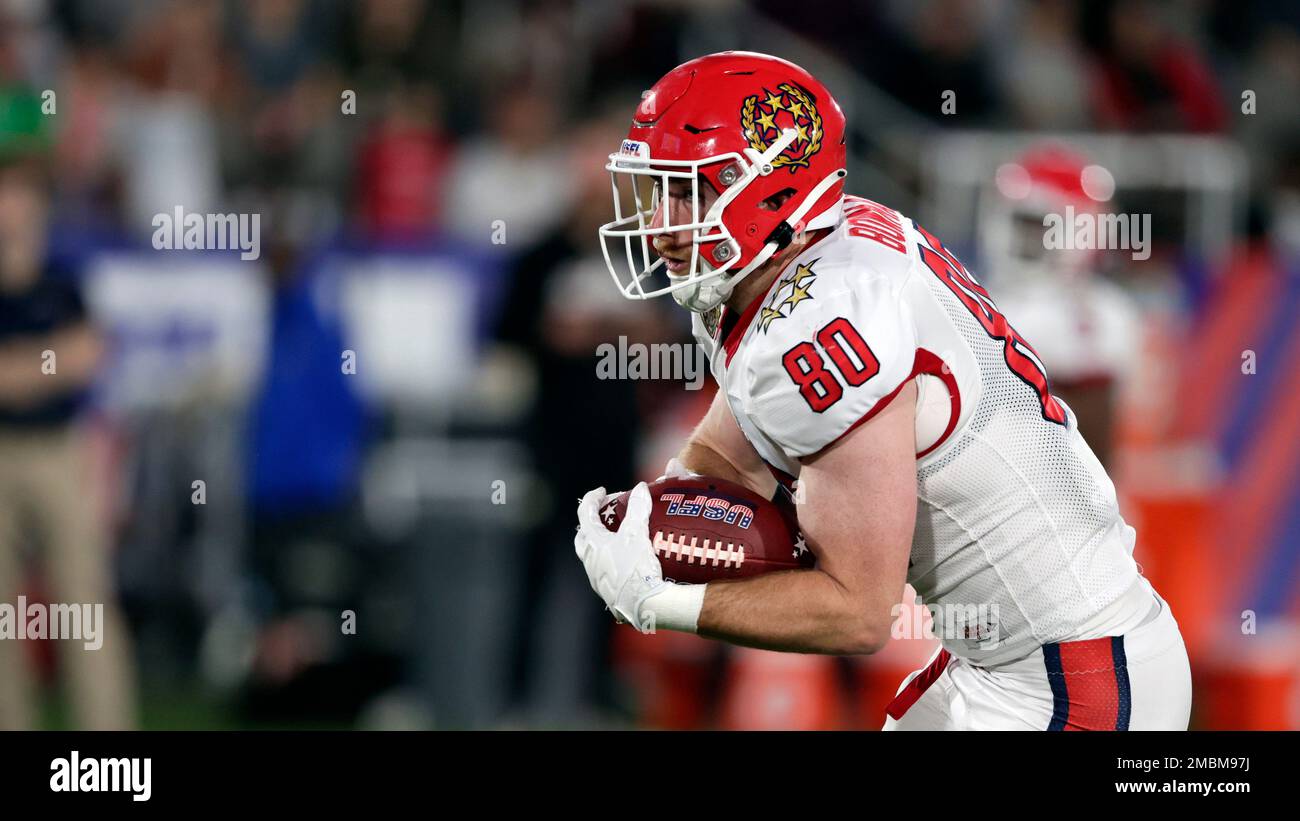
x=24 y=127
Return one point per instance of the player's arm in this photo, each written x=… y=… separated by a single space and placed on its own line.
x=24 y=383
x=718 y=448
x=858 y=478
x=858 y=516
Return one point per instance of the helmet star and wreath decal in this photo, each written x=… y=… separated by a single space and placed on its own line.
x=764 y=116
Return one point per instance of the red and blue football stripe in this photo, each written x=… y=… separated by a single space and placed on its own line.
x=1090 y=686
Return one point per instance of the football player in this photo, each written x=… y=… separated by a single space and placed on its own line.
x=856 y=354
x=1085 y=327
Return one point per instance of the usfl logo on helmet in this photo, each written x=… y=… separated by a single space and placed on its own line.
x=764 y=116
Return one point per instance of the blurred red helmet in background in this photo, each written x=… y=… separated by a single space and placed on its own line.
x=1048 y=179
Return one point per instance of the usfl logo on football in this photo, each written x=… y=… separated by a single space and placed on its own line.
x=709 y=507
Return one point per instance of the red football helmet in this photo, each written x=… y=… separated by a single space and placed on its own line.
x=1048 y=179
x=751 y=126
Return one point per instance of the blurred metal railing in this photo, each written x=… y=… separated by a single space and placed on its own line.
x=1210 y=172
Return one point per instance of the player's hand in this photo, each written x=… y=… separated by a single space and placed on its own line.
x=622 y=567
x=676 y=470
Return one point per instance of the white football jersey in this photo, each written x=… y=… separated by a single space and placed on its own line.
x=1017 y=523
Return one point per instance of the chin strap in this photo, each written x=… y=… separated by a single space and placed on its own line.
x=783 y=234
x=780 y=238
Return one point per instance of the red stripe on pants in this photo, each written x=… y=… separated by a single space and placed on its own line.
x=909 y=694
x=1089 y=669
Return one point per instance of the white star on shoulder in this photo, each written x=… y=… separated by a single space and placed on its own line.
x=608 y=513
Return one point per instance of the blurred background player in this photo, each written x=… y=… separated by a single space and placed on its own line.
x=1084 y=327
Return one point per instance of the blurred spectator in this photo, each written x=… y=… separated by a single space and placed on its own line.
x=512 y=181
x=48 y=354
x=1148 y=79
x=401 y=166
x=920 y=53
x=306 y=444
x=386 y=41
x=634 y=43
x=279 y=40
x=946 y=46
x=1272 y=133
x=583 y=430
x=29 y=48
x=1284 y=227
x=91 y=95
x=168 y=139
x=1044 y=69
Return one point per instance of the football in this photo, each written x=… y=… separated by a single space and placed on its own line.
x=705 y=529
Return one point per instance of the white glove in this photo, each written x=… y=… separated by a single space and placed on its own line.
x=622 y=567
x=624 y=570
x=676 y=470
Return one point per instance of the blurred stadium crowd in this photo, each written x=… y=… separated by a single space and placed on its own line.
x=388 y=416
